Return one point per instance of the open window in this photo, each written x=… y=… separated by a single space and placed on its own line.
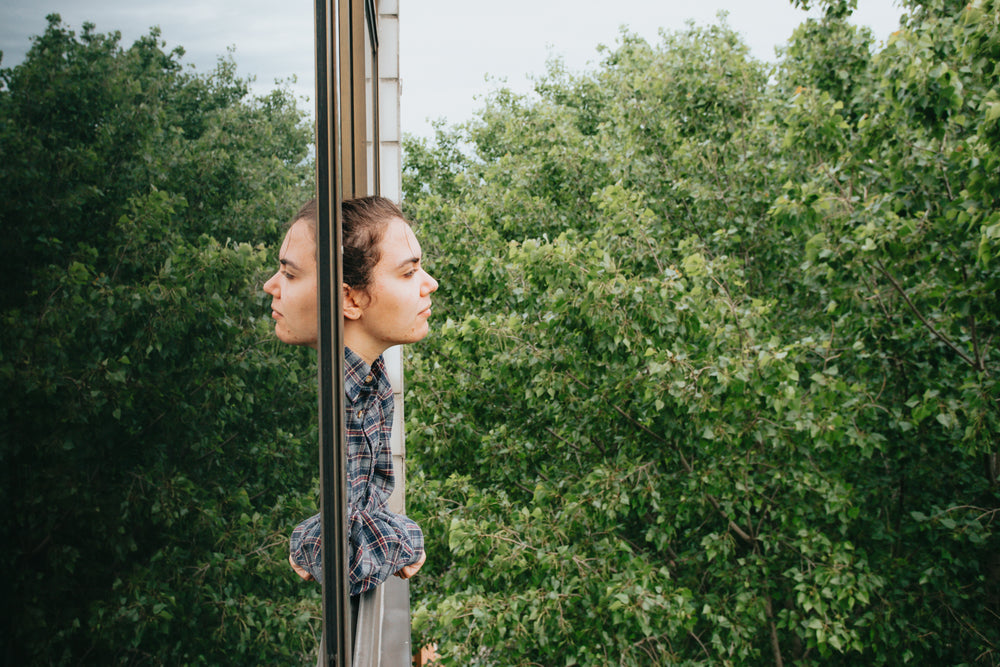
x=357 y=154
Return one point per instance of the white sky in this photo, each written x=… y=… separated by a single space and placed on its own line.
x=452 y=52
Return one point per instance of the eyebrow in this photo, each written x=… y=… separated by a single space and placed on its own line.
x=289 y=263
x=405 y=262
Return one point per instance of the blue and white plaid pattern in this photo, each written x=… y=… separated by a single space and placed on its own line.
x=380 y=542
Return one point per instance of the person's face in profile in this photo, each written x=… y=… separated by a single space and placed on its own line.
x=393 y=310
x=293 y=288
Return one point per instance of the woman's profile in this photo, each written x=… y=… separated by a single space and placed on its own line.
x=386 y=302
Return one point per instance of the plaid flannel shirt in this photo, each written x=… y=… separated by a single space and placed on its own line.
x=380 y=542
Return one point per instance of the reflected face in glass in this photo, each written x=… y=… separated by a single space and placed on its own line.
x=396 y=306
x=293 y=288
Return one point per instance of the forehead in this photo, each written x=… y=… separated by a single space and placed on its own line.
x=299 y=245
x=399 y=244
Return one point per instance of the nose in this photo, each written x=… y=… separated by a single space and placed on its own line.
x=430 y=285
x=271 y=286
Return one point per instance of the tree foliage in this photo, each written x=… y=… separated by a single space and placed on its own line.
x=156 y=442
x=717 y=376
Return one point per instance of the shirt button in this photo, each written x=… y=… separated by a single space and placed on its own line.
x=369 y=378
x=361 y=413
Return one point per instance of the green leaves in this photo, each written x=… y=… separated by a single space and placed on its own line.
x=149 y=471
x=714 y=349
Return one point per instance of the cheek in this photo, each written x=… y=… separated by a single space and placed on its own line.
x=311 y=304
x=305 y=298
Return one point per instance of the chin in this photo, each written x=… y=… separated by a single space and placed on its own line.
x=291 y=339
x=420 y=335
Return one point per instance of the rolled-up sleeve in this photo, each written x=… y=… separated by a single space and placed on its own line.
x=306 y=547
x=380 y=544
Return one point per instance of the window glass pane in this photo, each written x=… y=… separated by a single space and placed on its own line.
x=371 y=107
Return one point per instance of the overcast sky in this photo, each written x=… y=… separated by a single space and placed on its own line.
x=451 y=51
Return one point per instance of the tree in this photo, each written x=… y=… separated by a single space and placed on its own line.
x=156 y=442
x=716 y=383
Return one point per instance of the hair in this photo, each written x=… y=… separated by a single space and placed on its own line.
x=364 y=221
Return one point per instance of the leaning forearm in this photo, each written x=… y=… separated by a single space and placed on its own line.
x=306 y=546
x=380 y=545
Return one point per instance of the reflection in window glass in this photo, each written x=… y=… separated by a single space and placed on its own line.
x=371 y=100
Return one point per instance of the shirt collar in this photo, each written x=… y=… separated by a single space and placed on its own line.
x=359 y=376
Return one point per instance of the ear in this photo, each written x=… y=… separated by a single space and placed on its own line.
x=352 y=303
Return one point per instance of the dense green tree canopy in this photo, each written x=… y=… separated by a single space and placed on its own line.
x=717 y=376
x=714 y=380
x=156 y=443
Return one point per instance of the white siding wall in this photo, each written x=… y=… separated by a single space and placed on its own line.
x=394 y=649
x=391 y=183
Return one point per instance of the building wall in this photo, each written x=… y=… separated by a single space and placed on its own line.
x=391 y=185
x=392 y=648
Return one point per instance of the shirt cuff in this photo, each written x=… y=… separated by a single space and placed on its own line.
x=306 y=547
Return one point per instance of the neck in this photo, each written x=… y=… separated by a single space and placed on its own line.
x=363 y=346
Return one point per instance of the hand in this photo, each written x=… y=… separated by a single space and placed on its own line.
x=411 y=569
x=299 y=570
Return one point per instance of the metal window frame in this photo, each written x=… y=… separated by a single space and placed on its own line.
x=336 y=646
x=341 y=173
x=360 y=21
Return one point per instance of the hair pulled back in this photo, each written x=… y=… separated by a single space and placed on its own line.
x=364 y=221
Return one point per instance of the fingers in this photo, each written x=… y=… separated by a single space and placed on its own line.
x=299 y=570
x=411 y=569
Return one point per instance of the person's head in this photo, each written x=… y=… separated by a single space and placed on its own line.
x=386 y=291
x=293 y=286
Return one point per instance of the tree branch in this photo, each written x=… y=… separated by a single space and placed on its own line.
x=930 y=327
x=775 y=646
